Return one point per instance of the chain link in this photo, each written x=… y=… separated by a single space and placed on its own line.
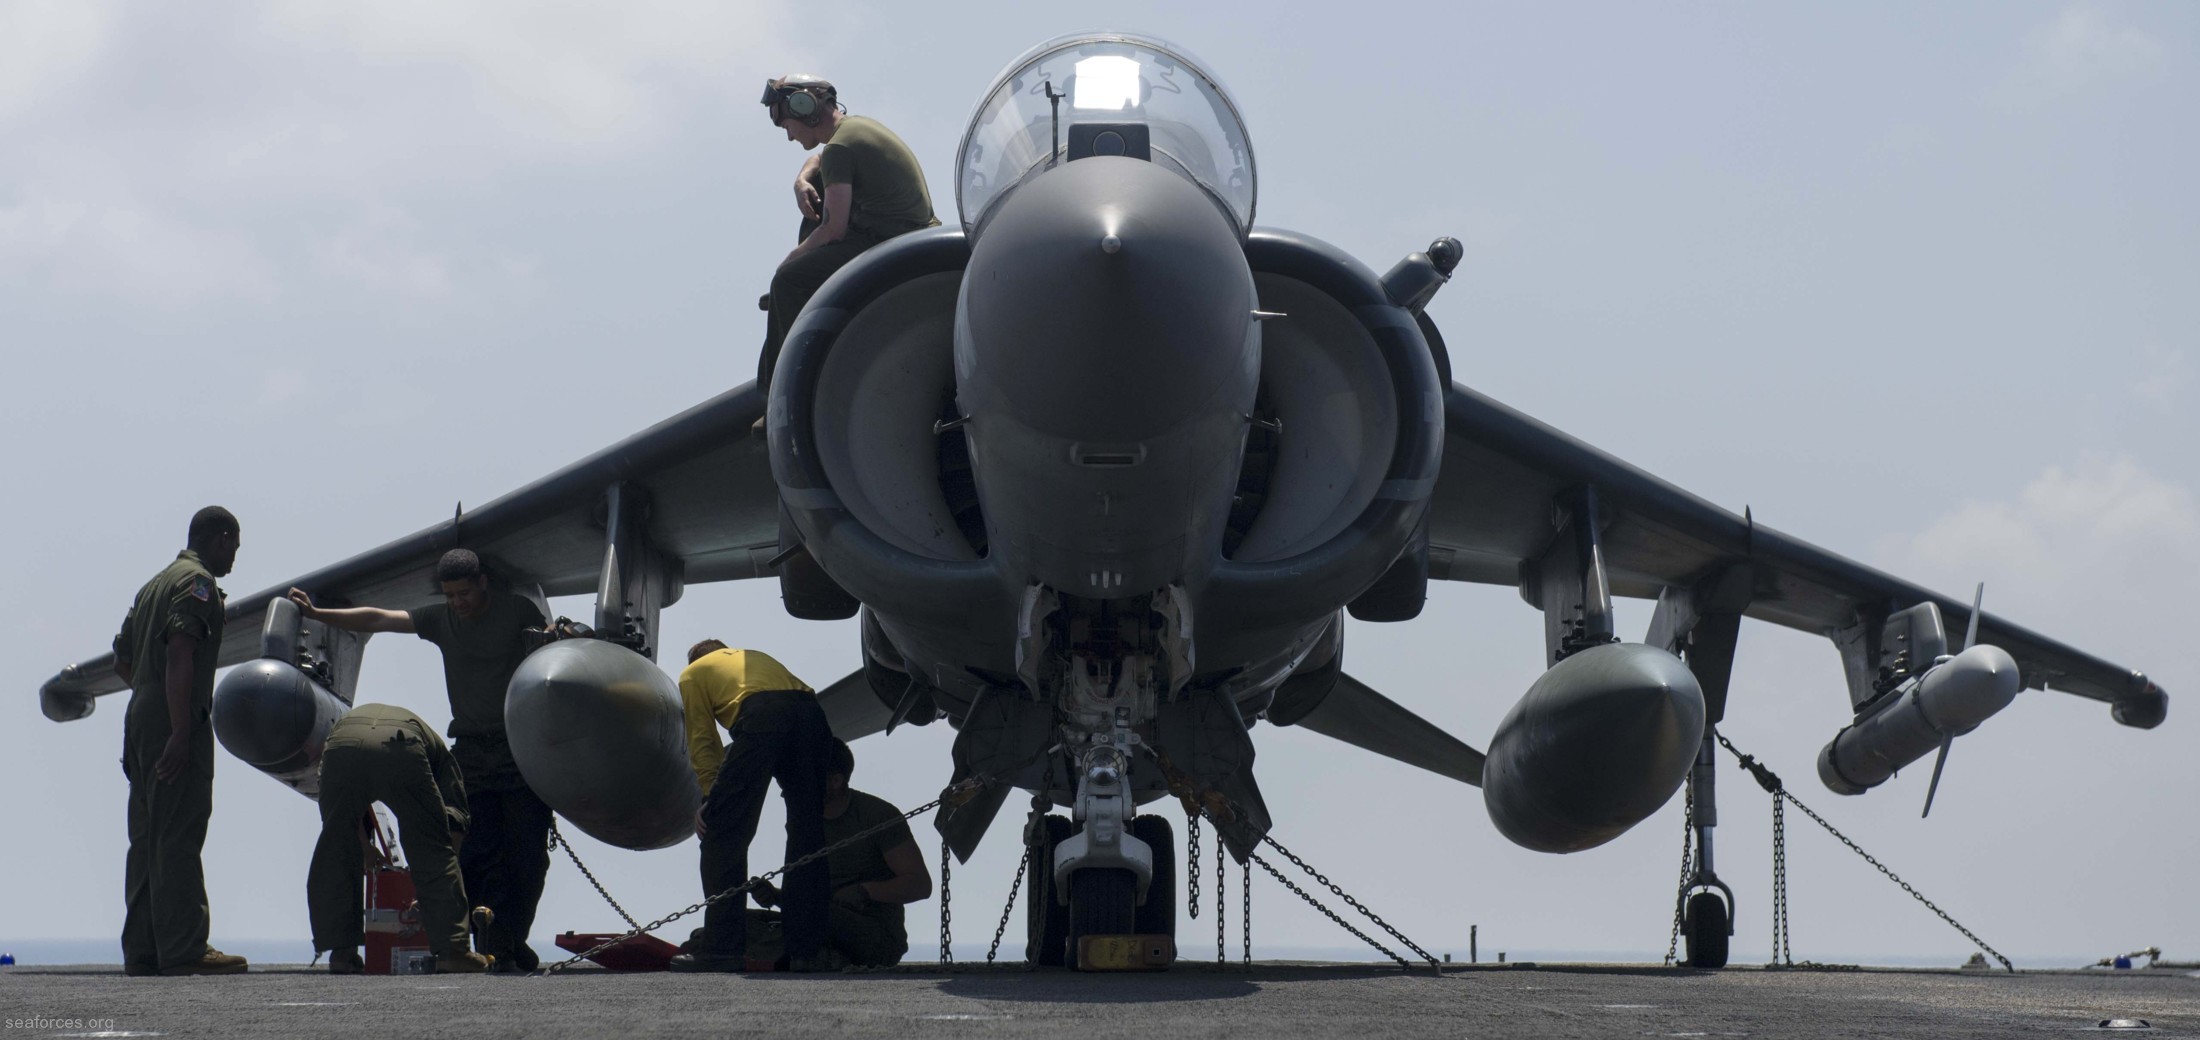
x=1326 y=911
x=1245 y=920
x=947 y=904
x=1006 y=908
x=1355 y=904
x=557 y=840
x=1688 y=870
x=1191 y=864
x=1770 y=781
x=744 y=887
x=1783 y=954
x=1222 y=888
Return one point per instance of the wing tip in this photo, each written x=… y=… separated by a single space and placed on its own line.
x=63 y=698
x=2145 y=707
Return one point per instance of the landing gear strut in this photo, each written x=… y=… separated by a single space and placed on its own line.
x=1707 y=915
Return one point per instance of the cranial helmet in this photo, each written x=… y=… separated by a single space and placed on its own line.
x=801 y=95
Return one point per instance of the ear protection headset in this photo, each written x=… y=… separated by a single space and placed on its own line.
x=798 y=99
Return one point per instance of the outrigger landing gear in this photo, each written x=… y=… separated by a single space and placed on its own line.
x=1707 y=910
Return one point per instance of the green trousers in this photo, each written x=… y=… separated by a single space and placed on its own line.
x=864 y=940
x=165 y=919
x=793 y=283
x=364 y=764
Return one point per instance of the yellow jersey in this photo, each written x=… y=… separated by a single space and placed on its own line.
x=712 y=688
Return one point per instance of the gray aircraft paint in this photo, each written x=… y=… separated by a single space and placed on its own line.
x=1895 y=500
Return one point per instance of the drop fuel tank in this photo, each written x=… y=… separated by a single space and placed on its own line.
x=597 y=731
x=275 y=718
x=1598 y=744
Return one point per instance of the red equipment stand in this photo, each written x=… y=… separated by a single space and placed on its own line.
x=396 y=944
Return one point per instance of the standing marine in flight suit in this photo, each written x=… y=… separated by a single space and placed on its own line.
x=166 y=651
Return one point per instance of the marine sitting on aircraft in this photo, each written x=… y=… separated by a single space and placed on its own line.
x=1101 y=471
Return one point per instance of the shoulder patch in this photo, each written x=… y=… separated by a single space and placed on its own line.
x=202 y=589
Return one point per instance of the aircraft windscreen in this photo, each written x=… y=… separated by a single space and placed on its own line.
x=1104 y=82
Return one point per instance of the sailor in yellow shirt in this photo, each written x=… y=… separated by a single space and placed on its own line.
x=779 y=733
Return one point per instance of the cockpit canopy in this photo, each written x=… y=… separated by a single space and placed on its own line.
x=1111 y=94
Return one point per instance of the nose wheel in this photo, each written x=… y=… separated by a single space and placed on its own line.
x=1157 y=915
x=1101 y=901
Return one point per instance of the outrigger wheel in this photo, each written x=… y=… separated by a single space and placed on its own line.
x=1705 y=927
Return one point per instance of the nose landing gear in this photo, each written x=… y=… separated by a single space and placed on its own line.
x=1097 y=901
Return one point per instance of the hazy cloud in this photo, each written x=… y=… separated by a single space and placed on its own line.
x=127 y=249
x=2083 y=46
x=570 y=72
x=2104 y=528
x=2164 y=374
x=381 y=250
x=44 y=44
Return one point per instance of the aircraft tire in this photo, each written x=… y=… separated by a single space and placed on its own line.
x=1046 y=920
x=1102 y=901
x=1706 y=930
x=1157 y=915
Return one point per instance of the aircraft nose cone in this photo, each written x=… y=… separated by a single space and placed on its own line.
x=1598 y=743
x=1107 y=299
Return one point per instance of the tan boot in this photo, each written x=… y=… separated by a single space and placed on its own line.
x=214 y=962
x=462 y=962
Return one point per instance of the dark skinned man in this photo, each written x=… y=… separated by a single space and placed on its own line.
x=482 y=631
x=166 y=651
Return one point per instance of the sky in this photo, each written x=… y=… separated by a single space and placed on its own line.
x=1902 y=281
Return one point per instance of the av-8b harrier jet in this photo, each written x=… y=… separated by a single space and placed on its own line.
x=1101 y=471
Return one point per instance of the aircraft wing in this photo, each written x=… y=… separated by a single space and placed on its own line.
x=1492 y=517
x=712 y=509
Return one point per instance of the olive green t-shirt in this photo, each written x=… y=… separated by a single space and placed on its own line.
x=181 y=599
x=479 y=656
x=886 y=184
x=866 y=859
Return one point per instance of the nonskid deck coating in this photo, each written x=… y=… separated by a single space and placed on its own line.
x=1195 y=1000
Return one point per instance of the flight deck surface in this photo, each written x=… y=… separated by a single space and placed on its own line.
x=1194 y=1000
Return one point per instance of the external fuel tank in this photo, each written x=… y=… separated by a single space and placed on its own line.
x=597 y=731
